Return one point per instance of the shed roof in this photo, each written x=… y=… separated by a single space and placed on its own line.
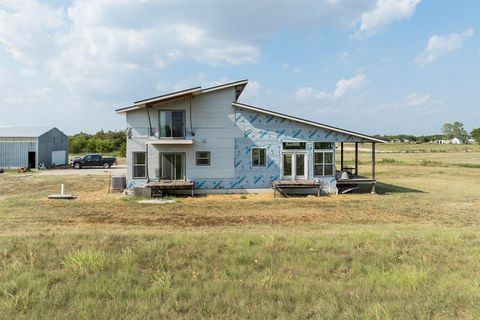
x=18 y=132
x=308 y=122
x=240 y=85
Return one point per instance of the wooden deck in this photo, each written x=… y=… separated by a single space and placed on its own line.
x=356 y=181
x=158 y=187
x=282 y=186
x=352 y=184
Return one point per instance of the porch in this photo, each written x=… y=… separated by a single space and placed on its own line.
x=283 y=186
x=158 y=188
x=348 y=178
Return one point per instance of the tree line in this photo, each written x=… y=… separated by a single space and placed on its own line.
x=113 y=142
x=449 y=131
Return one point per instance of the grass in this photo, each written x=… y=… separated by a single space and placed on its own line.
x=410 y=252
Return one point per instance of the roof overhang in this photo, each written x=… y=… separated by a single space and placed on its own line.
x=239 y=87
x=308 y=122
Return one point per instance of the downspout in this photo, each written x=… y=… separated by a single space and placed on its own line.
x=149 y=122
x=147 y=160
x=191 y=126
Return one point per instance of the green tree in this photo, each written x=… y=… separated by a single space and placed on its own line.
x=100 y=142
x=475 y=133
x=455 y=130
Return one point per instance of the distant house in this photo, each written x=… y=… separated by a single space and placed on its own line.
x=395 y=141
x=32 y=147
x=471 y=141
x=207 y=138
x=455 y=141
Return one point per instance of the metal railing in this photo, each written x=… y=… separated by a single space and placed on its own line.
x=153 y=133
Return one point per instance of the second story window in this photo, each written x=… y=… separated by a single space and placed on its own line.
x=172 y=124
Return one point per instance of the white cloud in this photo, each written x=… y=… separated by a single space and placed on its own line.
x=344 y=87
x=25 y=27
x=438 y=46
x=384 y=13
x=415 y=101
x=251 y=90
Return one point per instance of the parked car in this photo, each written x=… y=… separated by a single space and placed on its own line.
x=93 y=160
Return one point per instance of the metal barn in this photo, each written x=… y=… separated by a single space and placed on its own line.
x=32 y=147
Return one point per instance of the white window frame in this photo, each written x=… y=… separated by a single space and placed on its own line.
x=288 y=150
x=209 y=158
x=324 y=164
x=134 y=165
x=258 y=166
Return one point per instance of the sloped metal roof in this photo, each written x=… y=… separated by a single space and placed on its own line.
x=183 y=93
x=17 y=132
x=308 y=122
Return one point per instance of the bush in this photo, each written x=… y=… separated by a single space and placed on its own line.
x=100 y=142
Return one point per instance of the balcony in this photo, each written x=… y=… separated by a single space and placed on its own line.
x=153 y=136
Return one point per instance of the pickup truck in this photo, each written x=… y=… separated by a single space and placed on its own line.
x=93 y=160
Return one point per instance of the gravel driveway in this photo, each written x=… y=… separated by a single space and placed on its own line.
x=114 y=170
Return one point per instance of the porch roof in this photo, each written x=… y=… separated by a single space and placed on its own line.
x=364 y=137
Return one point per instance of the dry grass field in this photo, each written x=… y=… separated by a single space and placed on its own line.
x=410 y=252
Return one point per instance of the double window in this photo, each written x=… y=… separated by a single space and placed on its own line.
x=323 y=159
x=259 y=157
x=203 y=158
x=139 y=165
x=172 y=124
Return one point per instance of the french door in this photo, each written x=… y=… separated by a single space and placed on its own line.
x=172 y=166
x=295 y=165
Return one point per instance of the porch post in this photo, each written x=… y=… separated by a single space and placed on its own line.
x=356 y=158
x=341 y=156
x=373 y=167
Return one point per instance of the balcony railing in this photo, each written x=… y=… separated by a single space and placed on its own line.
x=153 y=133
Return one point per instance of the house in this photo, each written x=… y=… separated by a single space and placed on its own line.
x=471 y=141
x=455 y=141
x=206 y=138
x=32 y=147
x=396 y=141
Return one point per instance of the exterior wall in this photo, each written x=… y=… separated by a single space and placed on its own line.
x=212 y=127
x=229 y=133
x=52 y=140
x=14 y=151
x=265 y=131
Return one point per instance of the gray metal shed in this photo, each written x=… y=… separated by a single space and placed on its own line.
x=32 y=147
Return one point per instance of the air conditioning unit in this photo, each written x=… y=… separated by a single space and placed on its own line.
x=119 y=183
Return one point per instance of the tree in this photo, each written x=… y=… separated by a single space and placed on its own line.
x=455 y=130
x=476 y=134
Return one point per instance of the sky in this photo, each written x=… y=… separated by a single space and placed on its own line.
x=373 y=66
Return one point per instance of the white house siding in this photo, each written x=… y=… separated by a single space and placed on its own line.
x=14 y=151
x=212 y=129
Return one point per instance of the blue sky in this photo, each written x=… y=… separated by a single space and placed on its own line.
x=375 y=66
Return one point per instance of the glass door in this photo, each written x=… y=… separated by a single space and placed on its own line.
x=287 y=166
x=294 y=165
x=300 y=166
x=172 y=166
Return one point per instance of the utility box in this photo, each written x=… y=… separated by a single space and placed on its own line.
x=119 y=183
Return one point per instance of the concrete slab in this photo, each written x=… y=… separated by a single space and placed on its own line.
x=61 y=197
